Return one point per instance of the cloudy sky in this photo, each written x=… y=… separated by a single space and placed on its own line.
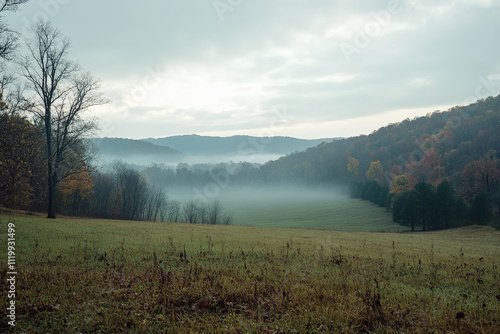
x=308 y=69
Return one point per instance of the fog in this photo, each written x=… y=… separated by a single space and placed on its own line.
x=248 y=198
x=146 y=160
x=244 y=197
x=292 y=207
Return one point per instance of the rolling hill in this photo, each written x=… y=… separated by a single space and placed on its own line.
x=200 y=149
x=236 y=145
x=135 y=151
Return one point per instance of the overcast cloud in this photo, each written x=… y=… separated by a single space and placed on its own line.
x=299 y=68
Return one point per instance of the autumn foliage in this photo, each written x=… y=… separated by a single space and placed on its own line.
x=460 y=146
x=22 y=167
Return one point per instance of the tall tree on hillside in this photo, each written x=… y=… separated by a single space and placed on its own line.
x=353 y=167
x=375 y=172
x=62 y=93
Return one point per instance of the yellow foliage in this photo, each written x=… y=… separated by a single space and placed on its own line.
x=78 y=184
x=400 y=184
x=375 y=172
x=353 y=166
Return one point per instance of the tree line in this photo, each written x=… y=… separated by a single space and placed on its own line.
x=427 y=206
x=125 y=193
x=424 y=206
x=45 y=159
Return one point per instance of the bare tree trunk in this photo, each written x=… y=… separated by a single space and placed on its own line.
x=51 y=210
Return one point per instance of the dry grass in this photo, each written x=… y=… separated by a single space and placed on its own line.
x=97 y=276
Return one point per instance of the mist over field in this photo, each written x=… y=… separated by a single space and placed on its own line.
x=172 y=162
x=294 y=207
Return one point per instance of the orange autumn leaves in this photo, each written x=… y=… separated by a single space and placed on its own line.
x=75 y=189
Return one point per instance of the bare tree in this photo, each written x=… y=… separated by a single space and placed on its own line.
x=62 y=93
x=102 y=195
x=203 y=212
x=215 y=210
x=10 y=90
x=13 y=94
x=227 y=219
x=8 y=38
x=156 y=203
x=132 y=192
x=173 y=209
x=191 y=210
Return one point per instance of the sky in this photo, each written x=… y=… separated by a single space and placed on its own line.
x=306 y=69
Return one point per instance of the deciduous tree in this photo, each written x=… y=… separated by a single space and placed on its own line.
x=353 y=167
x=399 y=185
x=62 y=93
x=8 y=38
x=76 y=189
x=482 y=176
x=21 y=162
x=375 y=172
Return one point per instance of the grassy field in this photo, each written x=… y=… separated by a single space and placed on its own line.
x=97 y=276
x=294 y=208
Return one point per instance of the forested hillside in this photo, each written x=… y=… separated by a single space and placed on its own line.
x=461 y=145
x=428 y=148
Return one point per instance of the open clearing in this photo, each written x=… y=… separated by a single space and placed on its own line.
x=304 y=208
x=98 y=276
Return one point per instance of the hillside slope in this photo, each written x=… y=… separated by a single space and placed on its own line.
x=442 y=145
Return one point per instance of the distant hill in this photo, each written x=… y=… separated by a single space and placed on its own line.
x=135 y=151
x=236 y=145
x=200 y=149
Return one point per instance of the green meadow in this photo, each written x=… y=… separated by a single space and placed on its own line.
x=99 y=276
x=304 y=208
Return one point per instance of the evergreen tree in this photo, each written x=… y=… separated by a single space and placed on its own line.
x=446 y=204
x=425 y=202
x=405 y=210
x=481 y=211
x=382 y=197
